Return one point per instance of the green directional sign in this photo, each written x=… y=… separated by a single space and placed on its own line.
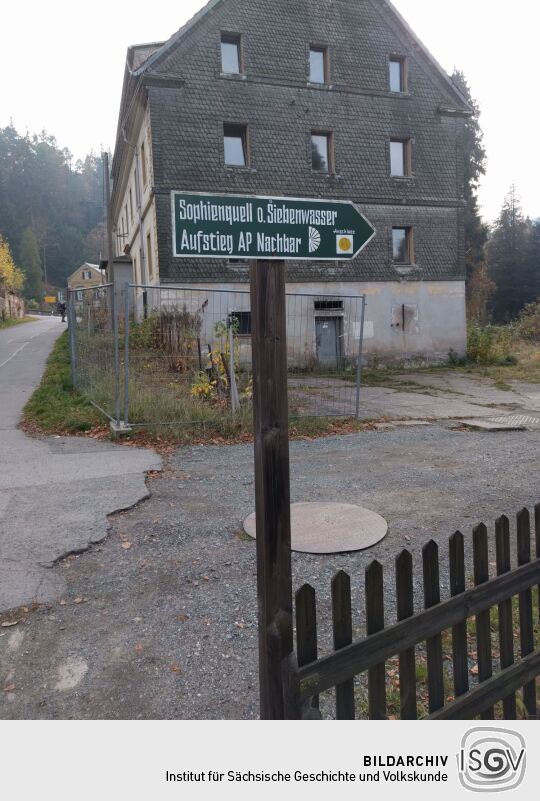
x=248 y=227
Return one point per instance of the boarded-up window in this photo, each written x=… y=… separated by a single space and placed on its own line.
x=405 y=318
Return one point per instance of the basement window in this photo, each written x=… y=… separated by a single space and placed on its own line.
x=231 y=54
x=241 y=321
x=235 y=145
x=328 y=305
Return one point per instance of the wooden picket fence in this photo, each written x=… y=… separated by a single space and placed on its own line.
x=306 y=676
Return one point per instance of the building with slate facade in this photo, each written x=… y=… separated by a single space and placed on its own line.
x=304 y=98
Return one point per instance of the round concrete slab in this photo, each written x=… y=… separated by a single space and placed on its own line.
x=330 y=527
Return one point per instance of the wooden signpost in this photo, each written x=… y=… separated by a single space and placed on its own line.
x=266 y=231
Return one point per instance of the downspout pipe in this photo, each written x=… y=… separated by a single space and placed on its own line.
x=138 y=192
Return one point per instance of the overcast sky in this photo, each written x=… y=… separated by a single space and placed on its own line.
x=61 y=69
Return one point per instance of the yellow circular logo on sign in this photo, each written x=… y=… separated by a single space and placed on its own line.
x=344 y=243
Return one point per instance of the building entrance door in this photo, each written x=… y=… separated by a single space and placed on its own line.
x=327 y=335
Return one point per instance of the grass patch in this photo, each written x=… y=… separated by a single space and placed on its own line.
x=55 y=407
x=11 y=321
x=526 y=367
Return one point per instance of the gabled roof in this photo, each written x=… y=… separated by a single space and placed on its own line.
x=143 y=57
x=170 y=43
x=86 y=266
x=420 y=46
x=384 y=5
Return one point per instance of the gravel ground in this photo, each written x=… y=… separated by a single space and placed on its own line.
x=160 y=620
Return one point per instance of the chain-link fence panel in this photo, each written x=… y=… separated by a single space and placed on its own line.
x=93 y=343
x=189 y=355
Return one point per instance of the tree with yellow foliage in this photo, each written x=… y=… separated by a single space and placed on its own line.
x=11 y=278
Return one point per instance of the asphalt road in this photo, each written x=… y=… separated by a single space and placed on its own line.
x=55 y=493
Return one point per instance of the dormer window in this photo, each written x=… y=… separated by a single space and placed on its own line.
x=231 y=53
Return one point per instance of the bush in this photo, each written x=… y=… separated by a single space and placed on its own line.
x=528 y=324
x=490 y=345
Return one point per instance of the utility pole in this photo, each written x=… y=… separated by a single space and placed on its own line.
x=45 y=265
x=44 y=247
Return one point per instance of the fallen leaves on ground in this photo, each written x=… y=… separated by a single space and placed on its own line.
x=176 y=669
x=10 y=688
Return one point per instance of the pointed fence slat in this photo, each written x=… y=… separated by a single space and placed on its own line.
x=537 y=538
x=460 y=656
x=405 y=609
x=342 y=623
x=526 y=625
x=306 y=630
x=483 y=620
x=432 y=597
x=307 y=675
x=506 y=628
x=362 y=654
x=375 y=623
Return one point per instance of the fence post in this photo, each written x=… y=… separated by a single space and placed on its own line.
x=360 y=355
x=71 y=330
x=115 y=311
x=126 y=355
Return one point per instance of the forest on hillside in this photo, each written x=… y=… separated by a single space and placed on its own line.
x=52 y=208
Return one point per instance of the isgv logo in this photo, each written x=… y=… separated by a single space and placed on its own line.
x=492 y=760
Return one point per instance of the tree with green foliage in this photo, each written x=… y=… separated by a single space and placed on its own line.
x=31 y=265
x=510 y=261
x=476 y=231
x=42 y=189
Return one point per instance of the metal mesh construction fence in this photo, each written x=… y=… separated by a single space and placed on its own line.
x=94 y=346
x=183 y=354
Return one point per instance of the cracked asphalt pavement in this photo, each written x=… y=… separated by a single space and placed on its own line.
x=55 y=493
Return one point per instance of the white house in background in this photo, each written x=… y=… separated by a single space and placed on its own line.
x=86 y=276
